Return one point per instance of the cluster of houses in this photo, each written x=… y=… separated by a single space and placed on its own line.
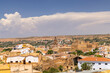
x=27 y=54
x=104 y=51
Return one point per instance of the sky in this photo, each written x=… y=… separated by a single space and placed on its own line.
x=27 y=18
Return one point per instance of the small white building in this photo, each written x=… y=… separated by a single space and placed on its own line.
x=26 y=50
x=104 y=51
x=1 y=57
x=32 y=59
x=19 y=46
x=15 y=59
x=23 y=59
x=23 y=51
x=97 y=63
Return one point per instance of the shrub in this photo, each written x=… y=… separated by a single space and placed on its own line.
x=50 y=52
x=73 y=53
x=76 y=68
x=98 y=56
x=51 y=70
x=4 y=50
x=79 y=52
x=45 y=71
x=39 y=52
x=60 y=68
x=86 y=66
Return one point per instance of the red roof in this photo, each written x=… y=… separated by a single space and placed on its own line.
x=94 y=59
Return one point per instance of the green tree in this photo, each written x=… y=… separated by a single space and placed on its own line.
x=86 y=66
x=60 y=68
x=95 y=50
x=98 y=56
x=1 y=62
x=39 y=52
x=73 y=53
x=89 y=53
x=45 y=71
x=79 y=52
x=50 y=52
x=4 y=50
x=76 y=68
x=53 y=70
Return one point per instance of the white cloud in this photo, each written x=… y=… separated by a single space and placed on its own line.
x=70 y=23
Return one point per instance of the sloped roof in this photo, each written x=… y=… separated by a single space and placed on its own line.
x=94 y=59
x=25 y=55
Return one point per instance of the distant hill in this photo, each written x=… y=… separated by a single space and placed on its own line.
x=52 y=37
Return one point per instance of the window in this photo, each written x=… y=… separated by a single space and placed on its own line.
x=93 y=68
x=11 y=61
x=106 y=63
x=16 y=61
x=93 y=63
x=99 y=63
x=29 y=61
x=67 y=67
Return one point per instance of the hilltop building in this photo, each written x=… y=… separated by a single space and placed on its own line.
x=23 y=48
x=84 y=46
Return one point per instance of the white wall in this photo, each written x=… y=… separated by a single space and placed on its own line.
x=96 y=66
x=1 y=57
x=19 y=46
x=43 y=54
x=14 y=59
x=32 y=59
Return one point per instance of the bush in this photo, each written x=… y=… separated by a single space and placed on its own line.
x=39 y=52
x=4 y=50
x=76 y=68
x=79 y=52
x=89 y=53
x=98 y=56
x=86 y=66
x=60 y=68
x=45 y=71
x=51 y=70
x=50 y=52
x=73 y=53
x=1 y=62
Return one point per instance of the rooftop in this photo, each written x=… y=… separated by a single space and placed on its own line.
x=94 y=59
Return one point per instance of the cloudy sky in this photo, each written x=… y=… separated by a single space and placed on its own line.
x=26 y=18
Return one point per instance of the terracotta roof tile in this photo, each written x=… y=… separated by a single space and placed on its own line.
x=94 y=59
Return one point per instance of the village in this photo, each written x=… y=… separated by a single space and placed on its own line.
x=74 y=56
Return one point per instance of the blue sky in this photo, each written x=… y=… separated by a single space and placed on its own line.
x=24 y=18
x=28 y=8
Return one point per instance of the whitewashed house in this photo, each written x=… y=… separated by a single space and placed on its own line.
x=19 y=46
x=26 y=50
x=97 y=63
x=23 y=59
x=32 y=59
x=104 y=51
x=1 y=57
x=15 y=59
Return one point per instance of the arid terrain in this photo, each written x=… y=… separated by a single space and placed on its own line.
x=52 y=37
